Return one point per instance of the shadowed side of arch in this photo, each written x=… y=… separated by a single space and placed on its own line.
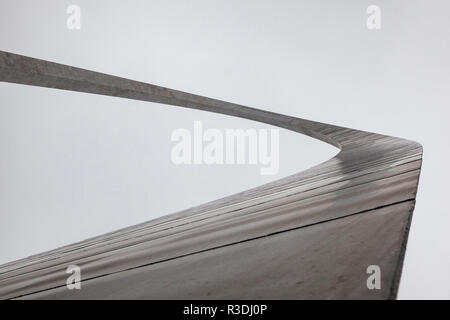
x=309 y=235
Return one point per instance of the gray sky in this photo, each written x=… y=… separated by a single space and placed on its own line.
x=75 y=165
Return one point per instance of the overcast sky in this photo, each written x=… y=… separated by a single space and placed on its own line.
x=75 y=165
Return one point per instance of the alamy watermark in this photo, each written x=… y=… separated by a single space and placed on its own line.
x=228 y=147
x=74 y=19
x=373 y=21
x=74 y=280
x=374 y=280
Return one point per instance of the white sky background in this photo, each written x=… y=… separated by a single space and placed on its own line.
x=75 y=165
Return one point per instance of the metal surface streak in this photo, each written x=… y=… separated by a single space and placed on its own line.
x=311 y=235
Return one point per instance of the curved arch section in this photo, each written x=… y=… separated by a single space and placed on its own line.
x=309 y=235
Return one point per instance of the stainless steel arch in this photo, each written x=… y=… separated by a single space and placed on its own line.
x=310 y=235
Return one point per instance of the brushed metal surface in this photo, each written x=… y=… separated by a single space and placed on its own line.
x=310 y=235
